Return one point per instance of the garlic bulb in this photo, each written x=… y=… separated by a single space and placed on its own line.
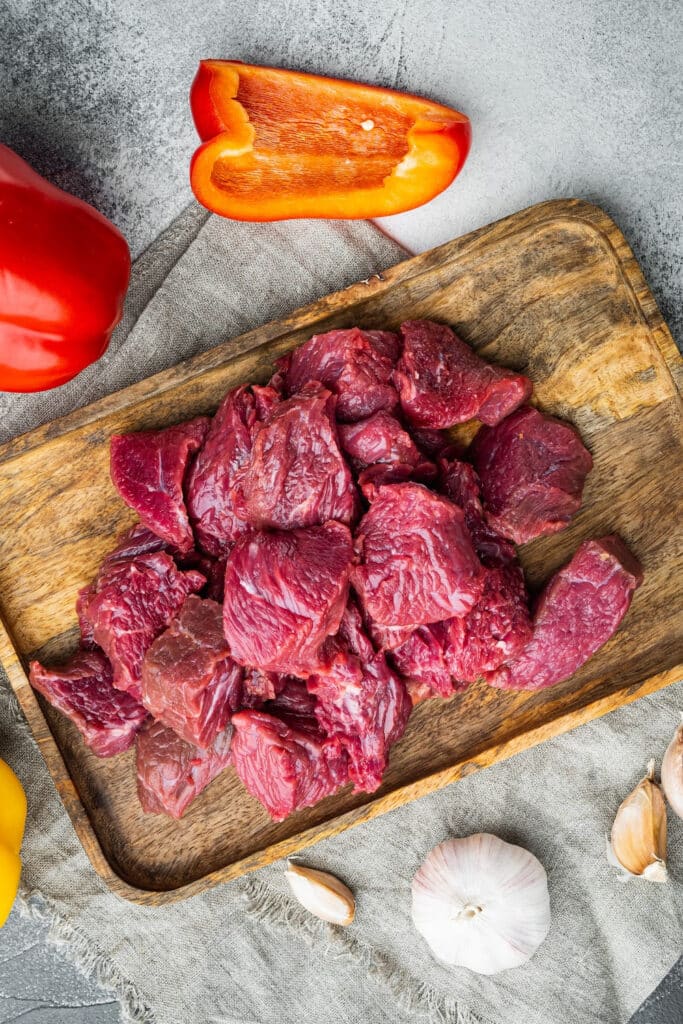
x=672 y=771
x=481 y=903
x=321 y=893
x=638 y=840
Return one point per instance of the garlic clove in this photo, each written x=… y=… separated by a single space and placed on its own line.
x=638 y=838
x=481 y=903
x=321 y=894
x=672 y=771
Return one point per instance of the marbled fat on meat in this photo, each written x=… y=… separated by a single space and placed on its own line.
x=131 y=602
x=532 y=470
x=284 y=767
x=82 y=689
x=441 y=381
x=171 y=773
x=189 y=681
x=417 y=563
x=285 y=592
x=148 y=470
x=356 y=365
x=296 y=474
x=578 y=611
x=214 y=495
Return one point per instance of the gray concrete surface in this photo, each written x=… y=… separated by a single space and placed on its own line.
x=567 y=98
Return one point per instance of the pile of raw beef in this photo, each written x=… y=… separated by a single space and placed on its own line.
x=319 y=557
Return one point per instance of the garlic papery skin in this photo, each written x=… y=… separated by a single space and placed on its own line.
x=638 y=838
x=672 y=772
x=321 y=894
x=481 y=903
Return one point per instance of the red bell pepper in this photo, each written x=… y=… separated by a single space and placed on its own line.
x=64 y=272
x=280 y=144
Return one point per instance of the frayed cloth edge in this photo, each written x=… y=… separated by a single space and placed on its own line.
x=334 y=943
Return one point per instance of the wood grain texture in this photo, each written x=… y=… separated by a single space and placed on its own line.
x=553 y=291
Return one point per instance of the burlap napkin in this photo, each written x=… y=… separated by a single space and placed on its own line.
x=244 y=952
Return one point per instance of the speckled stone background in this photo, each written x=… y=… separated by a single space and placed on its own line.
x=567 y=98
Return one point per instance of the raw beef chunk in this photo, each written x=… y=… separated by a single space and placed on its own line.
x=421 y=661
x=259 y=687
x=441 y=381
x=356 y=365
x=214 y=497
x=148 y=470
x=432 y=443
x=418 y=564
x=578 y=611
x=172 y=772
x=461 y=484
x=189 y=681
x=131 y=602
x=532 y=469
x=139 y=540
x=379 y=438
x=82 y=690
x=284 y=767
x=495 y=630
x=285 y=591
x=374 y=477
x=297 y=475
x=360 y=701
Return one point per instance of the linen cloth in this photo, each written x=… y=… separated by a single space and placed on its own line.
x=245 y=952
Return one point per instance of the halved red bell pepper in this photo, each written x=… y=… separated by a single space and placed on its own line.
x=64 y=271
x=281 y=144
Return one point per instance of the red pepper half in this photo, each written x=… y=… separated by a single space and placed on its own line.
x=64 y=272
x=281 y=144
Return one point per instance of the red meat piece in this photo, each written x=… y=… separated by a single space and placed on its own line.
x=421 y=661
x=171 y=773
x=432 y=443
x=148 y=469
x=532 y=470
x=578 y=611
x=259 y=687
x=374 y=477
x=284 y=767
x=189 y=681
x=132 y=600
x=356 y=365
x=294 y=705
x=495 y=630
x=361 y=702
x=82 y=689
x=441 y=381
x=285 y=591
x=214 y=497
x=461 y=484
x=379 y=438
x=297 y=475
x=418 y=564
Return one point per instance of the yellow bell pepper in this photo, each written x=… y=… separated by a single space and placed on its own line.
x=12 y=821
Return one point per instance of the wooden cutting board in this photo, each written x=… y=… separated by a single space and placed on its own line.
x=553 y=291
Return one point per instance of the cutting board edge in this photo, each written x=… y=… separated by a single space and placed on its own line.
x=414 y=266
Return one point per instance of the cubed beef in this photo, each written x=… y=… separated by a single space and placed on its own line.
x=285 y=591
x=361 y=702
x=283 y=767
x=432 y=443
x=213 y=492
x=493 y=631
x=387 y=638
x=579 y=610
x=532 y=470
x=132 y=601
x=356 y=365
x=371 y=479
x=171 y=773
x=441 y=381
x=460 y=483
x=417 y=560
x=148 y=469
x=82 y=689
x=297 y=475
x=189 y=681
x=379 y=438
x=422 y=663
